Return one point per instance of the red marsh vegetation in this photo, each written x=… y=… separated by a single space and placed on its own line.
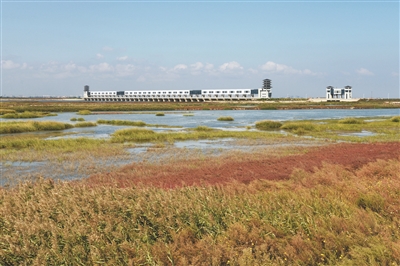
x=244 y=168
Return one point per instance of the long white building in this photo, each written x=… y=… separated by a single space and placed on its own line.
x=179 y=95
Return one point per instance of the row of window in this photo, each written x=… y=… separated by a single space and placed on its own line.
x=95 y=95
x=218 y=92
x=166 y=92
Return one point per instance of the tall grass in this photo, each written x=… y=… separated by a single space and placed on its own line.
x=200 y=132
x=7 y=111
x=122 y=123
x=395 y=119
x=351 y=120
x=26 y=114
x=225 y=118
x=268 y=125
x=332 y=216
x=85 y=124
x=29 y=126
x=84 y=112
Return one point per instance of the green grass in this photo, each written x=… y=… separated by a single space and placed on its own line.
x=351 y=120
x=30 y=126
x=382 y=129
x=85 y=124
x=84 y=112
x=160 y=114
x=122 y=123
x=395 y=119
x=26 y=114
x=225 y=118
x=7 y=111
x=200 y=132
x=330 y=217
x=268 y=125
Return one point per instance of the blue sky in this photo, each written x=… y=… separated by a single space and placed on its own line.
x=57 y=47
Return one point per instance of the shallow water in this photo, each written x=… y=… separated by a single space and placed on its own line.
x=242 y=119
x=14 y=171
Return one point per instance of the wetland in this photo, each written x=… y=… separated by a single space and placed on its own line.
x=205 y=187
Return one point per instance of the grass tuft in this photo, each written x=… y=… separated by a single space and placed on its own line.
x=30 y=126
x=85 y=124
x=225 y=118
x=160 y=114
x=7 y=111
x=203 y=128
x=84 y=112
x=395 y=119
x=268 y=125
x=122 y=123
x=351 y=120
x=26 y=114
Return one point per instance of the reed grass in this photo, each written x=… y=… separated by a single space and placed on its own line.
x=351 y=120
x=122 y=123
x=73 y=119
x=332 y=216
x=84 y=112
x=26 y=114
x=29 y=126
x=268 y=125
x=200 y=132
x=160 y=114
x=395 y=119
x=85 y=124
x=225 y=118
x=7 y=111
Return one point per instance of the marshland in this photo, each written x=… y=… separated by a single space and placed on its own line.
x=161 y=186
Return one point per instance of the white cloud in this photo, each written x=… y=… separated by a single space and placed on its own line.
x=108 y=49
x=102 y=67
x=281 y=68
x=125 y=70
x=99 y=56
x=50 y=67
x=180 y=67
x=122 y=58
x=253 y=71
x=364 y=72
x=230 y=66
x=70 y=67
x=8 y=64
x=197 y=66
x=141 y=79
x=209 y=66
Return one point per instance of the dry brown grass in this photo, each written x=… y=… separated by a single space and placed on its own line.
x=334 y=216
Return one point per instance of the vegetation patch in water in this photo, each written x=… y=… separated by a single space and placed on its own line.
x=7 y=111
x=225 y=118
x=268 y=125
x=351 y=120
x=30 y=126
x=26 y=114
x=122 y=123
x=84 y=112
x=85 y=124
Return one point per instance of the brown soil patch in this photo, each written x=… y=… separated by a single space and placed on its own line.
x=209 y=172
